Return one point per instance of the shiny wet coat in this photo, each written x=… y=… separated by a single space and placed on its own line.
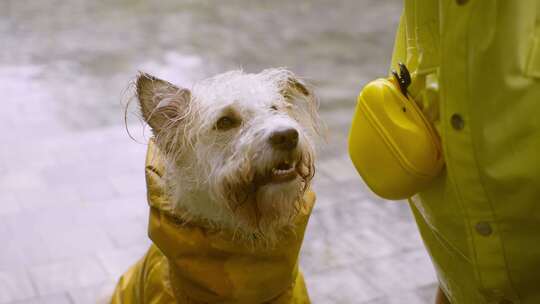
x=476 y=67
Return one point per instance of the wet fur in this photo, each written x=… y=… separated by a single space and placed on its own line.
x=219 y=176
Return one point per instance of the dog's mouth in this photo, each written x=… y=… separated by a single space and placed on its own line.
x=283 y=172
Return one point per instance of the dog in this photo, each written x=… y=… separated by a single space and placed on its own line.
x=229 y=171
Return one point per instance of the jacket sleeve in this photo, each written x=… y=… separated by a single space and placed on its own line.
x=400 y=45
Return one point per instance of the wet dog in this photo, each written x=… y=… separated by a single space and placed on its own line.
x=236 y=155
x=239 y=148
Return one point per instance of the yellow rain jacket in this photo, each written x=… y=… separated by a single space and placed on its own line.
x=190 y=263
x=477 y=76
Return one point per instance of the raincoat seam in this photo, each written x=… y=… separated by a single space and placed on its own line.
x=447 y=243
x=450 y=166
x=477 y=269
x=481 y=176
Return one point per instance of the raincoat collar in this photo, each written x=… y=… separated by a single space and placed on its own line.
x=208 y=266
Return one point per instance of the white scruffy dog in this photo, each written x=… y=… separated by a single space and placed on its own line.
x=239 y=147
x=229 y=190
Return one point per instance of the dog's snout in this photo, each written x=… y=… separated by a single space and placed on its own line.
x=286 y=139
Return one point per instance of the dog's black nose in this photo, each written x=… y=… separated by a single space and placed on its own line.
x=286 y=139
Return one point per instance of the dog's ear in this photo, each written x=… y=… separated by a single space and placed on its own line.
x=301 y=95
x=295 y=87
x=161 y=102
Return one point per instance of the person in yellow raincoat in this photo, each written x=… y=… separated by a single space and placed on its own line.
x=189 y=262
x=476 y=74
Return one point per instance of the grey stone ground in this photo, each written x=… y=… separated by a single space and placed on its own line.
x=72 y=195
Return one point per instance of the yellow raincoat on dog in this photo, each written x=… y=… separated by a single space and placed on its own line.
x=476 y=67
x=189 y=263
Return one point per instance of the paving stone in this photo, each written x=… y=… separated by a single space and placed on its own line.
x=341 y=285
x=322 y=254
x=69 y=172
x=19 y=181
x=129 y=184
x=347 y=194
x=47 y=196
x=403 y=233
x=15 y=285
x=95 y=190
x=402 y=272
x=8 y=204
x=128 y=233
x=369 y=243
x=333 y=146
x=75 y=242
x=21 y=243
x=57 y=217
x=12 y=254
x=339 y=117
x=409 y=297
x=117 y=261
x=69 y=274
x=339 y=169
x=51 y=299
x=92 y=294
x=122 y=209
x=428 y=292
x=320 y=180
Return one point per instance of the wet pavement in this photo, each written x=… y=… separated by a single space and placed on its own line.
x=72 y=198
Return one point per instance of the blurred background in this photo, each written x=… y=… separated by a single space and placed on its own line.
x=73 y=211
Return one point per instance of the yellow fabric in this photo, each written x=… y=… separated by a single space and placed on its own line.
x=480 y=220
x=191 y=263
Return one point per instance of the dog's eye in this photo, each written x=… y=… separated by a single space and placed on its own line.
x=227 y=123
x=273 y=107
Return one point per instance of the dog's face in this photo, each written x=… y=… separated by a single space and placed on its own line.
x=239 y=147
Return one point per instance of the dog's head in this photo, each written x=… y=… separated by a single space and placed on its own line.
x=239 y=147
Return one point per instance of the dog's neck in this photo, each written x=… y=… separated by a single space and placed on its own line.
x=193 y=201
x=209 y=265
